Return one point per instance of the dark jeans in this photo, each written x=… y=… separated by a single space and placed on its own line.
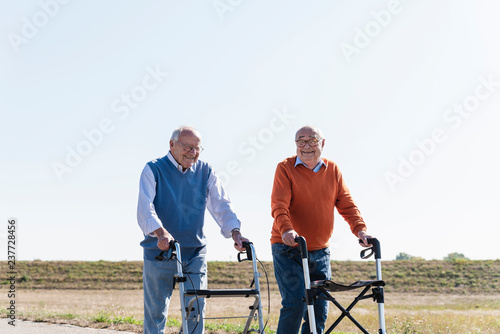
x=290 y=277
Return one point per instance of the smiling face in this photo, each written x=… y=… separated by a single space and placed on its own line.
x=184 y=149
x=310 y=155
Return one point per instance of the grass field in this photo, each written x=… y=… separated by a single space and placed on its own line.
x=421 y=296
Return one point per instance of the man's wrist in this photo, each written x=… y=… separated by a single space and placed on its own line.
x=235 y=230
x=160 y=233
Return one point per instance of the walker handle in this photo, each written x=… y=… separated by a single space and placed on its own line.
x=375 y=248
x=171 y=253
x=302 y=246
x=248 y=251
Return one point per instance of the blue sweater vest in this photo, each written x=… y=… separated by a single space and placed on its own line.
x=180 y=203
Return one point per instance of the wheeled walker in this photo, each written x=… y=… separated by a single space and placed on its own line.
x=255 y=313
x=324 y=288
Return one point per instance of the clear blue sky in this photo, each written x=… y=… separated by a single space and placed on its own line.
x=407 y=94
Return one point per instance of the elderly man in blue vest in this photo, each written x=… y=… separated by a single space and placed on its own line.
x=174 y=192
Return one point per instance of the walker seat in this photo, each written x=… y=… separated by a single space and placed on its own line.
x=335 y=287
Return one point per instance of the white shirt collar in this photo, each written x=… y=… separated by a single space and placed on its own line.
x=176 y=164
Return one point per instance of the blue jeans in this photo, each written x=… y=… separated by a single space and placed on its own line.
x=158 y=280
x=290 y=277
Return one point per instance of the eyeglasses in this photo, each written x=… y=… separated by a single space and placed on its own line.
x=189 y=148
x=311 y=142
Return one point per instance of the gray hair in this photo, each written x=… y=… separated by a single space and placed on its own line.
x=179 y=130
x=314 y=129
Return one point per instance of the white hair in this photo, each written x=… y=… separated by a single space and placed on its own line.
x=179 y=130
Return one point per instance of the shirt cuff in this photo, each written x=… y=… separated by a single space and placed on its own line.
x=152 y=224
x=360 y=227
x=229 y=226
x=284 y=223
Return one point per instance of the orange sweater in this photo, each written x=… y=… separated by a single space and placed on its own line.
x=304 y=201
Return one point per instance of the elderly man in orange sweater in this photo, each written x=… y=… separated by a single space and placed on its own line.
x=306 y=190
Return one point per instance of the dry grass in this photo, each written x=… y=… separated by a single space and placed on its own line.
x=421 y=296
x=443 y=277
x=405 y=313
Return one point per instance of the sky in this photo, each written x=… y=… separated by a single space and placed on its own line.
x=407 y=94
